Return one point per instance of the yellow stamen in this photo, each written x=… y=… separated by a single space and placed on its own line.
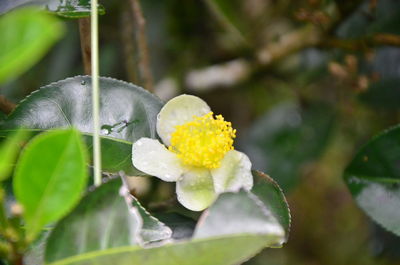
x=204 y=141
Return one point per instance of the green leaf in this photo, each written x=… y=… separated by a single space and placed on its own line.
x=373 y=178
x=50 y=176
x=269 y=192
x=65 y=8
x=236 y=214
x=108 y=217
x=127 y=113
x=9 y=150
x=383 y=94
x=286 y=138
x=228 y=250
x=26 y=35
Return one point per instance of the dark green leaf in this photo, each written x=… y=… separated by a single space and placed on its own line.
x=9 y=150
x=65 y=8
x=26 y=35
x=182 y=226
x=269 y=192
x=383 y=94
x=286 y=138
x=103 y=220
x=116 y=155
x=49 y=178
x=152 y=229
x=373 y=178
x=127 y=114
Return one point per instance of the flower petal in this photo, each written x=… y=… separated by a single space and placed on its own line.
x=178 y=111
x=195 y=190
x=234 y=173
x=151 y=157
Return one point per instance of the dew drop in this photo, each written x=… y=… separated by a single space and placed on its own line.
x=104 y=131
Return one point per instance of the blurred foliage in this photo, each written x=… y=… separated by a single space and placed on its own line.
x=351 y=73
x=27 y=34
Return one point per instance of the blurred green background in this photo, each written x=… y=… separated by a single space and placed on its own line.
x=305 y=82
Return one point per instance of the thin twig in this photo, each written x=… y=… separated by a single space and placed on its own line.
x=128 y=45
x=288 y=44
x=144 y=58
x=362 y=43
x=242 y=69
x=386 y=39
x=6 y=105
x=84 y=32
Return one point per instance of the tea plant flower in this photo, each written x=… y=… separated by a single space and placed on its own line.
x=197 y=154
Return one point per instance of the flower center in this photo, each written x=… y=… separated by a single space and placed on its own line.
x=204 y=141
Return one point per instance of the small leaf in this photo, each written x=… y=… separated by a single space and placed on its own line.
x=373 y=178
x=65 y=8
x=9 y=150
x=26 y=35
x=50 y=176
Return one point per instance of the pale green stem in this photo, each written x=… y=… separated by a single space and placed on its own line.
x=95 y=93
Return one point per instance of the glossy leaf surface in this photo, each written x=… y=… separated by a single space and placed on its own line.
x=373 y=178
x=65 y=8
x=50 y=177
x=127 y=114
x=26 y=35
x=238 y=213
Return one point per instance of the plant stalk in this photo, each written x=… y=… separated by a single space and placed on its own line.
x=95 y=93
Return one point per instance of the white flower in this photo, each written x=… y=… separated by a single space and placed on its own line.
x=199 y=157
